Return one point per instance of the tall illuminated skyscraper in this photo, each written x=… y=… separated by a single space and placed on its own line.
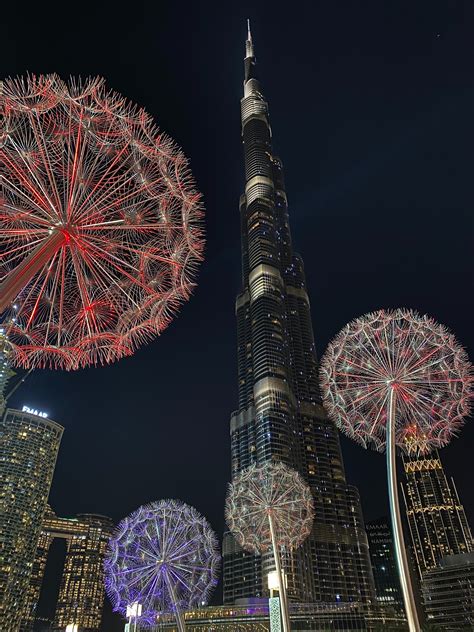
x=280 y=415
x=82 y=592
x=29 y=445
x=436 y=518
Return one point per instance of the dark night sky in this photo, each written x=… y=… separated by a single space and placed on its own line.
x=372 y=113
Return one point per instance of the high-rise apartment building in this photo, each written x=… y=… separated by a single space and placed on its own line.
x=82 y=592
x=5 y=369
x=384 y=567
x=29 y=445
x=280 y=415
x=436 y=519
x=448 y=593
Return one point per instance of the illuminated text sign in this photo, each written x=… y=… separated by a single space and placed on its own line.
x=33 y=411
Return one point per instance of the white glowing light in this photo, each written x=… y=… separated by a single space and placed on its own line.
x=134 y=610
x=38 y=413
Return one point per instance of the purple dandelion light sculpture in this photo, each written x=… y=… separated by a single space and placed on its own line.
x=269 y=506
x=163 y=559
x=395 y=378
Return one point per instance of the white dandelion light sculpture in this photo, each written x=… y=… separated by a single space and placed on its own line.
x=269 y=506
x=395 y=378
x=163 y=559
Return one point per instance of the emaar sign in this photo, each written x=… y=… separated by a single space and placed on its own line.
x=33 y=411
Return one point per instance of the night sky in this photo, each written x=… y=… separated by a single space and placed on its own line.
x=371 y=105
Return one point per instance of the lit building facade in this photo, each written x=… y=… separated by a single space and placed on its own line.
x=82 y=592
x=448 y=593
x=5 y=369
x=436 y=519
x=280 y=415
x=29 y=447
x=387 y=583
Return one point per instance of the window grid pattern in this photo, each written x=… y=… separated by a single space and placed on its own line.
x=28 y=449
x=82 y=591
x=436 y=519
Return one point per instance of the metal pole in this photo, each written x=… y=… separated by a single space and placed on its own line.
x=398 y=540
x=18 y=278
x=281 y=584
x=178 y=614
x=17 y=385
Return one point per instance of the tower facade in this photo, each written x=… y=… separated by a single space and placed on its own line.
x=448 y=593
x=280 y=416
x=436 y=519
x=29 y=446
x=82 y=592
x=387 y=583
x=5 y=370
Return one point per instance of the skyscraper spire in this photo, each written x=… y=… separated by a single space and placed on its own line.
x=249 y=54
x=280 y=416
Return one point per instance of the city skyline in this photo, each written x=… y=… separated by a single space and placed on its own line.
x=343 y=180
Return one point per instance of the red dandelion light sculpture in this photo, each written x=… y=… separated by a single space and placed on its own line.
x=397 y=379
x=100 y=224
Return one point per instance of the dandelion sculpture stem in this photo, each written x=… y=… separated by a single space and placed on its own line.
x=281 y=580
x=397 y=528
x=28 y=268
x=100 y=224
x=269 y=506
x=178 y=614
x=397 y=379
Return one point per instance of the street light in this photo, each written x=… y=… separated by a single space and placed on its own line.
x=133 y=610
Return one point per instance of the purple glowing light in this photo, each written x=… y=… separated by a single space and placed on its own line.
x=164 y=556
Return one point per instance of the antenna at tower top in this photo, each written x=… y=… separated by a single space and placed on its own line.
x=249 y=44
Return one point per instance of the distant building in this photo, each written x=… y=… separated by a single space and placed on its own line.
x=384 y=567
x=81 y=595
x=448 y=593
x=29 y=447
x=280 y=416
x=436 y=517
